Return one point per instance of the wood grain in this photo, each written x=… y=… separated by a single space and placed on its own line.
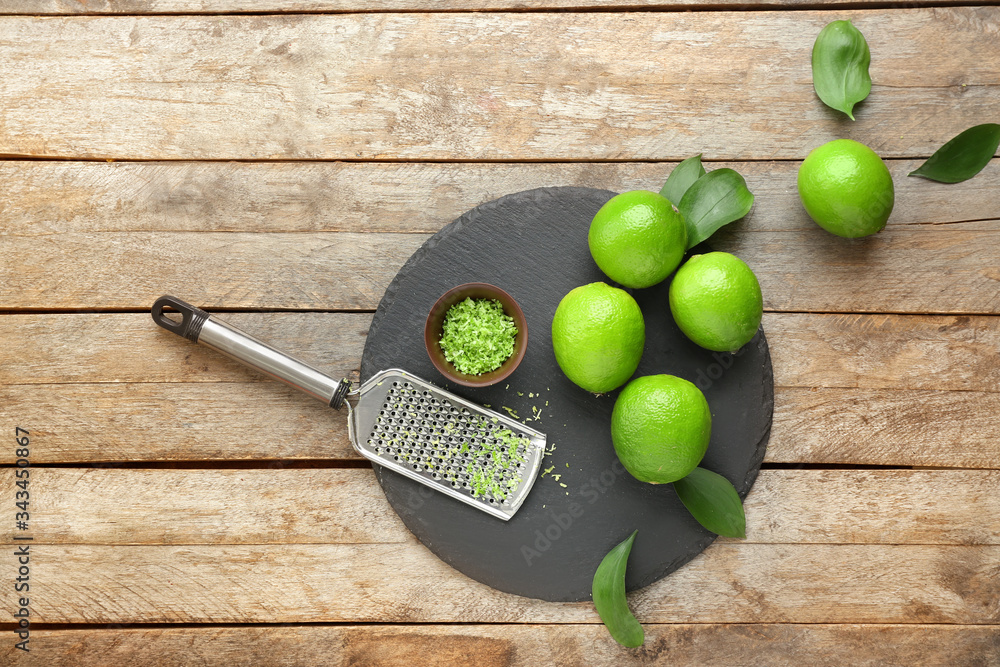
x=412 y=86
x=884 y=351
x=343 y=271
x=140 y=7
x=271 y=506
x=872 y=390
x=52 y=197
x=132 y=422
x=708 y=644
x=936 y=352
x=885 y=427
x=405 y=583
x=130 y=347
x=945 y=269
x=293 y=235
x=274 y=506
x=272 y=424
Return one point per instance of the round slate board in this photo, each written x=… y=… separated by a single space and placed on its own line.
x=533 y=244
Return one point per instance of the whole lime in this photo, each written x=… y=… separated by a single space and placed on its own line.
x=716 y=301
x=637 y=238
x=660 y=427
x=846 y=188
x=598 y=334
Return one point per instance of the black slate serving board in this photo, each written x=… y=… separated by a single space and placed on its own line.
x=533 y=244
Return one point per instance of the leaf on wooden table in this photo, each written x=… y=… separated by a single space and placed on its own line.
x=963 y=157
x=717 y=198
x=840 y=59
x=681 y=178
x=609 y=596
x=713 y=501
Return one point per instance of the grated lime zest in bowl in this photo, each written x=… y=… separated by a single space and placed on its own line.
x=477 y=336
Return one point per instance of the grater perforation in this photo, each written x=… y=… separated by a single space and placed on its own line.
x=470 y=453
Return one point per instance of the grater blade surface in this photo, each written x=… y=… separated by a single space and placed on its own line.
x=473 y=454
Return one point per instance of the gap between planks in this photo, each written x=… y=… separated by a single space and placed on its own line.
x=17 y=157
x=544 y=8
x=56 y=627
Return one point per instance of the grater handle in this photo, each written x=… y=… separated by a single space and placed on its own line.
x=198 y=326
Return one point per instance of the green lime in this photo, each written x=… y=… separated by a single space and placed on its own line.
x=846 y=188
x=598 y=334
x=716 y=301
x=637 y=238
x=660 y=427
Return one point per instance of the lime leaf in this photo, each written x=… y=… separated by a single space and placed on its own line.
x=963 y=157
x=715 y=199
x=681 y=178
x=609 y=596
x=840 y=59
x=713 y=501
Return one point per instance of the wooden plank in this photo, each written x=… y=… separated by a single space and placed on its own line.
x=343 y=271
x=711 y=645
x=885 y=427
x=47 y=198
x=412 y=86
x=134 y=7
x=405 y=583
x=116 y=226
x=268 y=423
x=849 y=390
x=943 y=269
x=932 y=352
x=117 y=347
x=105 y=422
x=885 y=351
x=874 y=506
x=273 y=506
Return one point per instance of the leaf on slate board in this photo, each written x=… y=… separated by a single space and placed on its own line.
x=713 y=501
x=963 y=157
x=717 y=198
x=609 y=596
x=840 y=59
x=681 y=178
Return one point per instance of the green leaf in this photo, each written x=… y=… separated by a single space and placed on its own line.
x=713 y=501
x=840 y=60
x=609 y=596
x=681 y=178
x=963 y=157
x=715 y=199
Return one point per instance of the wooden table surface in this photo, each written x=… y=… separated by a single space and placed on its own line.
x=279 y=160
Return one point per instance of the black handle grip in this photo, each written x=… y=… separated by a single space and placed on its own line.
x=192 y=319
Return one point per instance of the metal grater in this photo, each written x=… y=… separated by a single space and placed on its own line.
x=397 y=420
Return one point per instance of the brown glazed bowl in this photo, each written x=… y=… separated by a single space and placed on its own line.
x=435 y=320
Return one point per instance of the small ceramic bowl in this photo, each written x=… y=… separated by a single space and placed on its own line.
x=435 y=320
